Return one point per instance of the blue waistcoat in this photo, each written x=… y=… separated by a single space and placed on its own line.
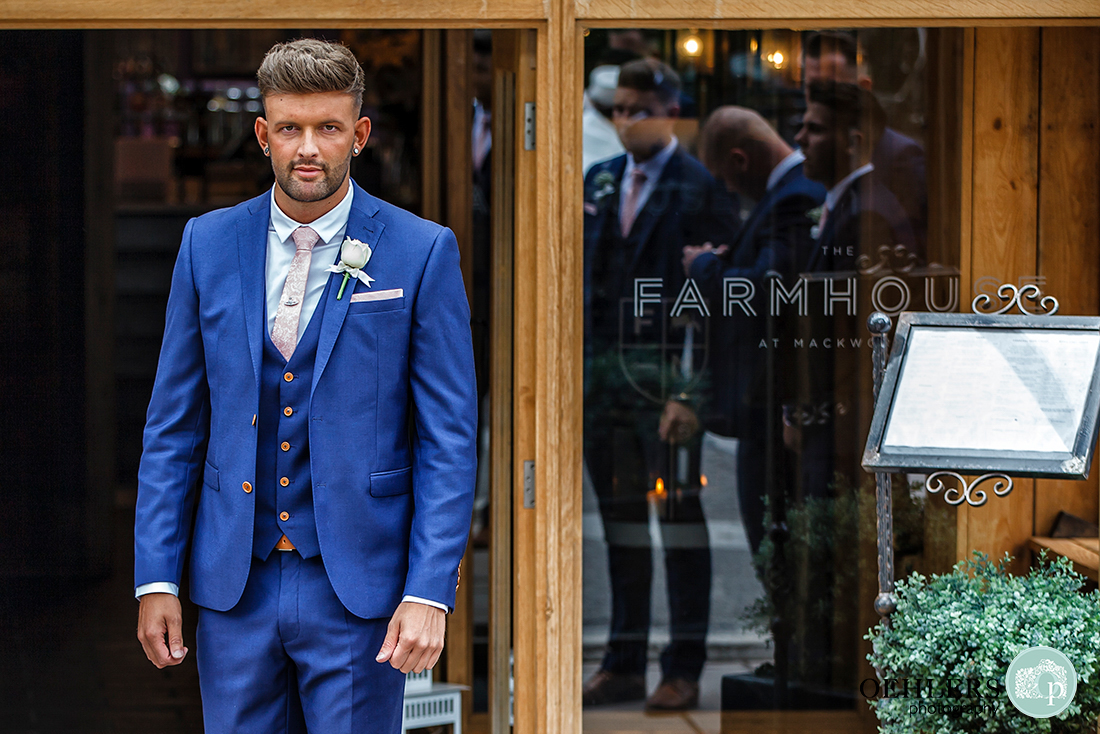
x=282 y=446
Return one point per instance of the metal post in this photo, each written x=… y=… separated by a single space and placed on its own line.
x=879 y=324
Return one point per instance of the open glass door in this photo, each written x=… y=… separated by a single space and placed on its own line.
x=133 y=133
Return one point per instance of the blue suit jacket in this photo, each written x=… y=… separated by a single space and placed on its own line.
x=392 y=415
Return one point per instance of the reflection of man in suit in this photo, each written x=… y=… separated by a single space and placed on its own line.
x=319 y=430
x=744 y=151
x=839 y=131
x=898 y=159
x=641 y=209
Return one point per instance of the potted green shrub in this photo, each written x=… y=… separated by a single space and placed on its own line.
x=943 y=657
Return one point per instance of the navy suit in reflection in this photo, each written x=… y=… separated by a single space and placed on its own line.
x=775 y=241
x=866 y=218
x=632 y=367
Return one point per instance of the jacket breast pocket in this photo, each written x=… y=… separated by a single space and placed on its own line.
x=376 y=301
x=210 y=476
x=391 y=483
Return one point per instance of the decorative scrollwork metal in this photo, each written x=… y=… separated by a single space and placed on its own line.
x=891 y=258
x=1011 y=296
x=967 y=492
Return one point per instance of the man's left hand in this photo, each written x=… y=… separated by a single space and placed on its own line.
x=678 y=423
x=414 y=638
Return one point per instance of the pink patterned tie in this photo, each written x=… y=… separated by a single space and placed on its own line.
x=284 y=335
x=630 y=205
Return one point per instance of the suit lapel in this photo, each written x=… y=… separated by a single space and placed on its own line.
x=607 y=208
x=252 y=254
x=664 y=194
x=363 y=227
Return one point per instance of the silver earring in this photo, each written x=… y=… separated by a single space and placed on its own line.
x=355 y=151
x=267 y=150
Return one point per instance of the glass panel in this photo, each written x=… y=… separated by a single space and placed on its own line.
x=749 y=198
x=131 y=133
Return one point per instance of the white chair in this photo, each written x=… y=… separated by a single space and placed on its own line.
x=431 y=704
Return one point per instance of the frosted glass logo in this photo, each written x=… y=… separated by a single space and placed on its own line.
x=1041 y=682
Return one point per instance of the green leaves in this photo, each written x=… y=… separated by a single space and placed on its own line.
x=970 y=624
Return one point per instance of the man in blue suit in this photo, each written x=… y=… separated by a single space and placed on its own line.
x=641 y=430
x=310 y=439
x=745 y=152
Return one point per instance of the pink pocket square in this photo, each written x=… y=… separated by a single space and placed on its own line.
x=377 y=295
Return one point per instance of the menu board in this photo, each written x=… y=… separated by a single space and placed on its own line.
x=987 y=393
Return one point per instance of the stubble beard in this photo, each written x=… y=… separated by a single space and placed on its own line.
x=312 y=191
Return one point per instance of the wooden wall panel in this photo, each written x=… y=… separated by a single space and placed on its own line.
x=1004 y=222
x=530 y=570
x=270 y=13
x=1069 y=214
x=558 y=393
x=880 y=10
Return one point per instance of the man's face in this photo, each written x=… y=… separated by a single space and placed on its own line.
x=311 y=137
x=822 y=145
x=644 y=124
x=831 y=67
x=828 y=67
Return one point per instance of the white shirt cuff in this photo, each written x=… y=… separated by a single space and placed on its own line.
x=166 y=587
x=429 y=602
x=157 y=587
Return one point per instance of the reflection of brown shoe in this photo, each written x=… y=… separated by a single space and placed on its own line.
x=674 y=694
x=607 y=687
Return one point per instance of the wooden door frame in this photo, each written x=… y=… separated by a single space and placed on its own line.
x=548 y=267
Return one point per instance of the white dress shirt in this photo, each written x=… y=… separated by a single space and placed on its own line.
x=280 y=251
x=834 y=194
x=793 y=159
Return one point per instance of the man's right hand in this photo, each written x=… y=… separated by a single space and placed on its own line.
x=160 y=629
x=691 y=253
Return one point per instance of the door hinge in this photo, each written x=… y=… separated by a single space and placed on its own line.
x=529 y=126
x=529 y=485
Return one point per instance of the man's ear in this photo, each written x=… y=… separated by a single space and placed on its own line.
x=855 y=143
x=261 y=132
x=362 y=132
x=739 y=160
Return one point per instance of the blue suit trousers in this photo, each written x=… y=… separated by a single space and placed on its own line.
x=289 y=658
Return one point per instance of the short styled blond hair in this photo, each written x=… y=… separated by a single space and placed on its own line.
x=309 y=66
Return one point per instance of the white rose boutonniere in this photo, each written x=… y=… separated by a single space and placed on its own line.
x=814 y=216
x=354 y=256
x=605 y=185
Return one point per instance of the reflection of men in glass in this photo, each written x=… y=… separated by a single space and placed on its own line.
x=899 y=160
x=744 y=151
x=601 y=139
x=840 y=129
x=641 y=432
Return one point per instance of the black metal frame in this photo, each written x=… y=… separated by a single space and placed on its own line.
x=1074 y=465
